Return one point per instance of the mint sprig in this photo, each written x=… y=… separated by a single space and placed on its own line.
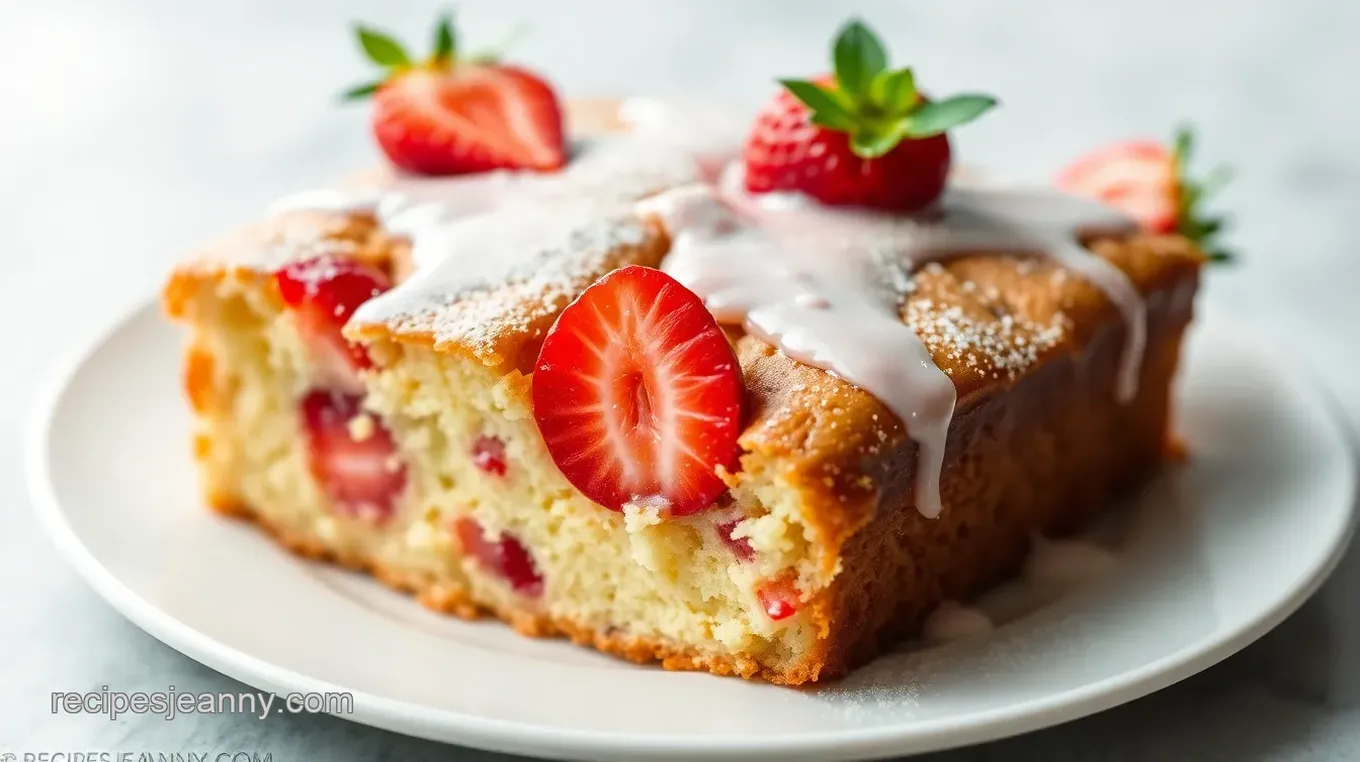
x=876 y=106
x=1191 y=221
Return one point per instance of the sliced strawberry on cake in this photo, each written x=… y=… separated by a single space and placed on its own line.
x=452 y=114
x=1151 y=183
x=638 y=395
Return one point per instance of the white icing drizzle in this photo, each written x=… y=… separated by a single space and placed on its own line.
x=524 y=245
x=477 y=231
x=827 y=286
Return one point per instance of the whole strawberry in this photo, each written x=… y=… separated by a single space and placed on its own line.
x=448 y=116
x=863 y=136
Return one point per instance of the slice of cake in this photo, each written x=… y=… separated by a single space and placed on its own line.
x=758 y=422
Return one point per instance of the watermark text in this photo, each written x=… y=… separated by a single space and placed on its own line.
x=136 y=756
x=171 y=703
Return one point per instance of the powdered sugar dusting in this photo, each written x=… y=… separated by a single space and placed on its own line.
x=999 y=346
x=512 y=269
x=291 y=243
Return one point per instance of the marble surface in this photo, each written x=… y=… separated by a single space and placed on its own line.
x=133 y=129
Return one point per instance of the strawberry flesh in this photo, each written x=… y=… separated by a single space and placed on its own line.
x=740 y=546
x=779 y=598
x=323 y=293
x=1137 y=177
x=469 y=118
x=638 y=395
x=355 y=464
x=488 y=454
x=505 y=556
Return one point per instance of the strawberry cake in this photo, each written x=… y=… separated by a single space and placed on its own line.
x=748 y=398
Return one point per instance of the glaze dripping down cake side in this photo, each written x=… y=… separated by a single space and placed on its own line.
x=422 y=463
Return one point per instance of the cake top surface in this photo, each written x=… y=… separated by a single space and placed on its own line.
x=824 y=304
x=498 y=257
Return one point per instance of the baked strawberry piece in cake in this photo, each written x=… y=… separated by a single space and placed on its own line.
x=758 y=422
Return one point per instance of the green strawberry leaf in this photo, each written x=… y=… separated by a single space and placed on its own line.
x=381 y=48
x=1182 y=143
x=445 y=44
x=359 y=92
x=893 y=92
x=828 y=107
x=1190 y=221
x=1209 y=226
x=876 y=107
x=936 y=117
x=858 y=57
x=870 y=144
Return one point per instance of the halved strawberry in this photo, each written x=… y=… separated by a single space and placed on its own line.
x=354 y=462
x=446 y=116
x=324 y=292
x=1135 y=176
x=638 y=394
x=1149 y=182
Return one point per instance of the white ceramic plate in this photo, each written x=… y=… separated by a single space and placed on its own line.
x=1214 y=554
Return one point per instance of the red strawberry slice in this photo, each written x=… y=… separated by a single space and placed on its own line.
x=1135 y=176
x=1151 y=183
x=356 y=465
x=469 y=119
x=504 y=555
x=448 y=115
x=638 y=394
x=324 y=292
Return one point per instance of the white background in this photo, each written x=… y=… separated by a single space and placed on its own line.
x=131 y=130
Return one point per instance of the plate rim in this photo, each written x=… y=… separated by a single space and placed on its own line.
x=508 y=736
